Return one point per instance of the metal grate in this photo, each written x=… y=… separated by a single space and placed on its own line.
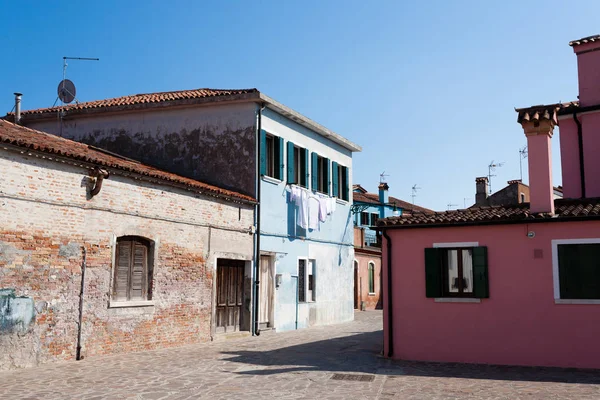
x=353 y=377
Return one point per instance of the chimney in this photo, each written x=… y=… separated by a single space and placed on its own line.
x=383 y=198
x=18 y=107
x=588 y=69
x=538 y=123
x=481 y=190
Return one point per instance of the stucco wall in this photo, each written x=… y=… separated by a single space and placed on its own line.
x=519 y=324
x=372 y=300
x=213 y=144
x=47 y=222
x=330 y=246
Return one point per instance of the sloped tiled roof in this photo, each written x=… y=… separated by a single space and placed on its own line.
x=588 y=39
x=43 y=142
x=144 y=98
x=373 y=198
x=565 y=209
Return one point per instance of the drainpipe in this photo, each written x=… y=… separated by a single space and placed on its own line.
x=580 y=143
x=100 y=175
x=18 y=107
x=78 y=356
x=255 y=327
x=297 y=283
x=389 y=294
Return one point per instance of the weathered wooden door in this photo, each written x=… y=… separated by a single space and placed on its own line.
x=230 y=293
x=266 y=292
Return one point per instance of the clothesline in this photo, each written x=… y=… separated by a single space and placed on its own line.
x=313 y=208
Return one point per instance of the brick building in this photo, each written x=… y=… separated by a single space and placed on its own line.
x=142 y=245
x=515 y=192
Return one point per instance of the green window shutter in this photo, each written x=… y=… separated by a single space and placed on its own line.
x=263 y=152
x=290 y=163
x=326 y=173
x=346 y=184
x=433 y=272
x=279 y=165
x=334 y=179
x=314 y=168
x=480 y=273
x=305 y=173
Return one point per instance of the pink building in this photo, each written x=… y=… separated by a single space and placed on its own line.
x=516 y=284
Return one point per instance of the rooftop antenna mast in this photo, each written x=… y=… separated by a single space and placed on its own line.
x=491 y=168
x=450 y=205
x=66 y=88
x=414 y=192
x=382 y=177
x=522 y=156
x=465 y=201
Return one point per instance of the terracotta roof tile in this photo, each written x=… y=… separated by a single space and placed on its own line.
x=588 y=39
x=564 y=209
x=373 y=198
x=43 y=142
x=142 y=99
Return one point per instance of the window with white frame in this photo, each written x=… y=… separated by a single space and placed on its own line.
x=306 y=281
x=577 y=269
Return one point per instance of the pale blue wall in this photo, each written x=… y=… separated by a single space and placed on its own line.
x=331 y=247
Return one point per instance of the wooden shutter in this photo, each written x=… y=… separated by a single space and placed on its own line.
x=326 y=174
x=433 y=272
x=263 y=152
x=304 y=164
x=138 y=271
x=279 y=165
x=334 y=179
x=301 y=280
x=480 y=273
x=314 y=167
x=290 y=163
x=121 y=281
x=371 y=278
x=579 y=271
x=346 y=184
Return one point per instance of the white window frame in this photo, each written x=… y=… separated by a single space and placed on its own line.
x=307 y=264
x=555 y=273
x=456 y=299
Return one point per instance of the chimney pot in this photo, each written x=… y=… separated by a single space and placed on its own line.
x=18 y=107
x=481 y=192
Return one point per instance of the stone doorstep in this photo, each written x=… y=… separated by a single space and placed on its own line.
x=232 y=335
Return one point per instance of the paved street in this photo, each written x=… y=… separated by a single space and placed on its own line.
x=297 y=365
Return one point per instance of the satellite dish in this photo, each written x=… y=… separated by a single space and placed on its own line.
x=66 y=91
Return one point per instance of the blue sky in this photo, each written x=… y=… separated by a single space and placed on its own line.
x=427 y=88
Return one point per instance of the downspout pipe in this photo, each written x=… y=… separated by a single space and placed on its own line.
x=78 y=355
x=255 y=327
x=297 y=284
x=580 y=144
x=100 y=175
x=390 y=314
x=18 y=108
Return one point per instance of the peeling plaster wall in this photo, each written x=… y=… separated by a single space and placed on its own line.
x=213 y=144
x=47 y=222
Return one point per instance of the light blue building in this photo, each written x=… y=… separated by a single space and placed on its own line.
x=311 y=270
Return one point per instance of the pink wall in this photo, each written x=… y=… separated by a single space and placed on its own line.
x=591 y=148
x=519 y=324
x=569 y=154
x=588 y=67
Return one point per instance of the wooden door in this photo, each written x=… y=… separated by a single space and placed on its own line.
x=266 y=292
x=230 y=292
x=355 y=285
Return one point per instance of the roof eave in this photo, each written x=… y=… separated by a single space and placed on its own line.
x=308 y=123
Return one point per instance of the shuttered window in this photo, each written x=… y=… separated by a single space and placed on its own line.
x=341 y=181
x=579 y=271
x=133 y=270
x=297 y=165
x=456 y=272
x=271 y=156
x=371 y=277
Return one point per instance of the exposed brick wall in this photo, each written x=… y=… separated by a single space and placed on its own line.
x=47 y=222
x=373 y=300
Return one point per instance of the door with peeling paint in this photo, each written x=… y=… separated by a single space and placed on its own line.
x=230 y=293
x=265 y=311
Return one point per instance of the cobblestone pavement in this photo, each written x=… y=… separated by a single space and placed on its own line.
x=292 y=365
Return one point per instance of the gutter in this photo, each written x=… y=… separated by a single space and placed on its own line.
x=580 y=144
x=390 y=314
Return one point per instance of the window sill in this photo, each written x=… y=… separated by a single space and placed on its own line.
x=125 y=304
x=456 y=300
x=576 y=301
x=341 y=201
x=371 y=294
x=270 y=179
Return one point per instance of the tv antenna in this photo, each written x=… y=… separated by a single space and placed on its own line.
x=382 y=177
x=491 y=168
x=465 y=201
x=450 y=205
x=66 y=89
x=414 y=192
x=522 y=156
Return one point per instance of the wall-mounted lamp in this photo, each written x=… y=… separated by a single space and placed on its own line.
x=531 y=234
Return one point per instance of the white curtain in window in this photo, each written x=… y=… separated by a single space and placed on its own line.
x=467 y=258
x=453 y=271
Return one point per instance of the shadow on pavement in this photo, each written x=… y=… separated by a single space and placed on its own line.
x=361 y=353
